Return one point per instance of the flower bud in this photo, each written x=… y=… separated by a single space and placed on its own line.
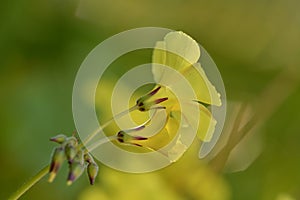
x=92 y=170
x=71 y=152
x=59 y=139
x=76 y=167
x=58 y=158
x=88 y=158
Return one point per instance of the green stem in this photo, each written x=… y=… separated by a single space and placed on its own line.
x=92 y=135
x=99 y=143
x=45 y=170
x=26 y=186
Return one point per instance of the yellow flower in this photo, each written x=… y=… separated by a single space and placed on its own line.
x=180 y=53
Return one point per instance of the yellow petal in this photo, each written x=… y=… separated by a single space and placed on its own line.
x=205 y=123
x=185 y=48
x=202 y=87
x=177 y=51
x=158 y=56
x=176 y=151
x=157 y=141
x=181 y=53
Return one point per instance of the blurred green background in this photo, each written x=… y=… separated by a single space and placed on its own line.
x=42 y=44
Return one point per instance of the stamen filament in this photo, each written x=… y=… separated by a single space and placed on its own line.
x=100 y=129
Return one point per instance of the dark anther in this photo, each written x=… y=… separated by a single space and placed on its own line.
x=120 y=136
x=121 y=140
x=142 y=109
x=140 y=104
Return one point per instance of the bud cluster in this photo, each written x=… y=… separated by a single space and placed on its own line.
x=77 y=158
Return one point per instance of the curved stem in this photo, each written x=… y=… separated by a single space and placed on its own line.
x=26 y=186
x=92 y=135
x=100 y=142
x=114 y=137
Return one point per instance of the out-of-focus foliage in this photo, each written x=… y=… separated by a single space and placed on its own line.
x=42 y=44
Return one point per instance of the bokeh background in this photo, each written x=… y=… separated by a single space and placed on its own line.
x=255 y=44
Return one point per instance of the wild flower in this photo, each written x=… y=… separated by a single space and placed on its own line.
x=181 y=53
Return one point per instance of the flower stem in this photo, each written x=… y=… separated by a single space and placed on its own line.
x=92 y=135
x=100 y=142
x=31 y=182
x=26 y=186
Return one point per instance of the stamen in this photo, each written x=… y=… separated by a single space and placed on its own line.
x=140 y=101
x=157 y=101
x=155 y=91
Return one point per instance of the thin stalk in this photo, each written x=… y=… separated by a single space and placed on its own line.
x=45 y=170
x=96 y=132
x=100 y=142
x=26 y=186
x=114 y=137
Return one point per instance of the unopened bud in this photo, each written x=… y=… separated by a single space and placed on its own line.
x=88 y=158
x=59 y=139
x=76 y=168
x=92 y=170
x=70 y=151
x=58 y=158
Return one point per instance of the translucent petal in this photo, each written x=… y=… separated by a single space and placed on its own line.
x=202 y=87
x=176 y=151
x=178 y=50
x=206 y=123
x=185 y=48
x=158 y=56
x=157 y=141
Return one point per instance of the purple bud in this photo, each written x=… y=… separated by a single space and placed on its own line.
x=92 y=170
x=75 y=171
x=59 y=139
x=71 y=152
x=58 y=158
x=88 y=158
